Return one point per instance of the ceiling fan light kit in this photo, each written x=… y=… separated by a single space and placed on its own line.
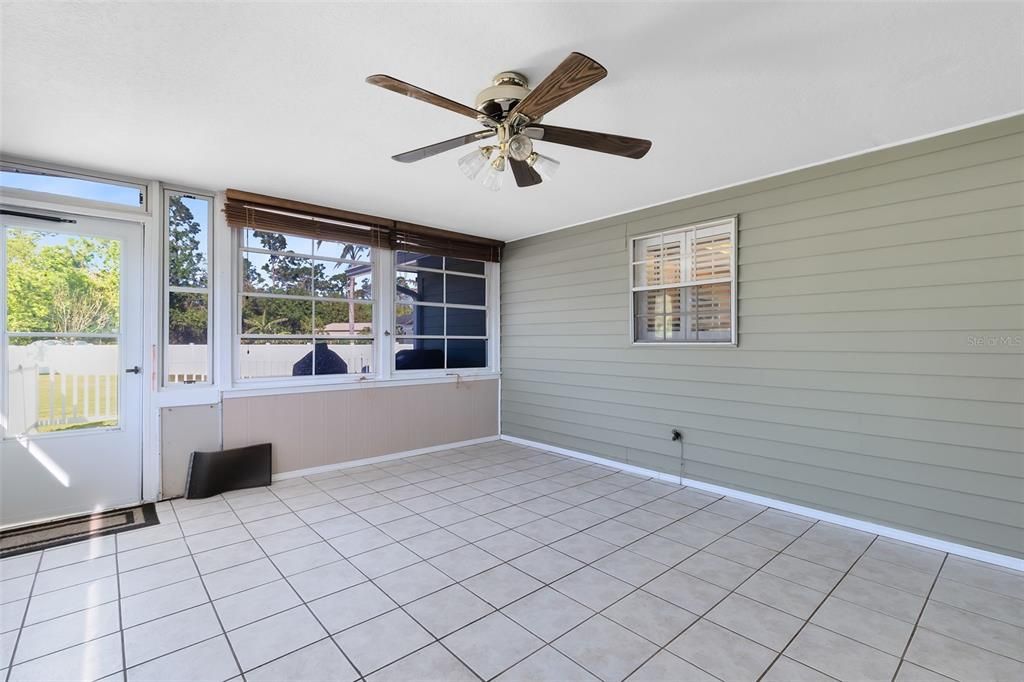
x=494 y=174
x=474 y=162
x=509 y=110
x=545 y=165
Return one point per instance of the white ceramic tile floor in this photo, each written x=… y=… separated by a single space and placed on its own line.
x=500 y=562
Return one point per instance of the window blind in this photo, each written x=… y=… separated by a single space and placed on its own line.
x=436 y=242
x=271 y=214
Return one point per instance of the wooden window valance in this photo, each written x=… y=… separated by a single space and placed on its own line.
x=257 y=211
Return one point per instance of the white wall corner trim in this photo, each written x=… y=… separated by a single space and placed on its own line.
x=381 y=458
x=839 y=520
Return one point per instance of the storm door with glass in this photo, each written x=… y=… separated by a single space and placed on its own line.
x=71 y=365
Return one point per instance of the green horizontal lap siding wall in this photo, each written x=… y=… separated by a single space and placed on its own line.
x=871 y=378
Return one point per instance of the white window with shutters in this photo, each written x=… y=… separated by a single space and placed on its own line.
x=684 y=285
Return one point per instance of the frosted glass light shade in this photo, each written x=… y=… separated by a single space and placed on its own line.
x=545 y=165
x=473 y=162
x=492 y=177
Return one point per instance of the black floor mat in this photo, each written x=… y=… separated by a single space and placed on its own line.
x=25 y=539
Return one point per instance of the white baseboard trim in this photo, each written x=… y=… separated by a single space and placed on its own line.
x=839 y=520
x=284 y=475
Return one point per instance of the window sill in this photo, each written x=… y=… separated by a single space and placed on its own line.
x=182 y=396
x=684 y=344
x=265 y=388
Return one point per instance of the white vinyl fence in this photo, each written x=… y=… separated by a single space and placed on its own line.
x=274 y=360
x=187 y=363
x=60 y=385
x=54 y=386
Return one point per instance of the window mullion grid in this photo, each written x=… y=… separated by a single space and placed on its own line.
x=210 y=220
x=418 y=268
x=296 y=254
x=688 y=283
x=444 y=312
x=169 y=289
x=383 y=272
x=303 y=297
x=312 y=319
x=688 y=237
x=435 y=304
x=313 y=299
x=443 y=305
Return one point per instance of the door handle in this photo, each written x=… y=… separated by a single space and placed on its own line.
x=134 y=370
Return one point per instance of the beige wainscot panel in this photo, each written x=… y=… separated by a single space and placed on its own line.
x=329 y=427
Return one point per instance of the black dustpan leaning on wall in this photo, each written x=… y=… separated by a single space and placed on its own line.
x=211 y=473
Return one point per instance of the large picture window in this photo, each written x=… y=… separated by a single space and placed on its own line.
x=684 y=285
x=441 y=319
x=187 y=309
x=308 y=302
x=305 y=306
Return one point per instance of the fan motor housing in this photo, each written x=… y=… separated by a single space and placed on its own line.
x=507 y=89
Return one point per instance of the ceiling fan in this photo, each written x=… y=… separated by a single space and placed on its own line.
x=510 y=111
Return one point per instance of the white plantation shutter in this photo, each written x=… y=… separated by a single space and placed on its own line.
x=712 y=256
x=684 y=284
x=713 y=319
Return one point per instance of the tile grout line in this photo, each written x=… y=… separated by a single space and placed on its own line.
x=584 y=564
x=209 y=600
x=120 y=616
x=545 y=643
x=636 y=589
x=812 y=614
x=302 y=599
x=256 y=540
x=185 y=538
x=702 y=616
x=268 y=556
x=596 y=613
x=24 y=616
x=399 y=569
x=121 y=628
x=924 y=605
x=486 y=466
x=304 y=602
x=86 y=641
x=398 y=607
x=705 y=547
x=401 y=607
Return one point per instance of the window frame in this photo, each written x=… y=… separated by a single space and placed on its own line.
x=238 y=249
x=167 y=289
x=733 y=222
x=489 y=309
x=143 y=187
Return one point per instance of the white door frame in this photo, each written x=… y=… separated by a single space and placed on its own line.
x=72 y=456
x=151 y=267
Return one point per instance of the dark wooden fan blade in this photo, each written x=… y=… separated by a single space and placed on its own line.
x=403 y=88
x=438 y=147
x=620 y=145
x=526 y=176
x=574 y=75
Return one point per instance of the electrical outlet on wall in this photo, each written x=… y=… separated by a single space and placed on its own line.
x=677 y=437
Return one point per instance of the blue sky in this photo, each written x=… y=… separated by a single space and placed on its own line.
x=71 y=187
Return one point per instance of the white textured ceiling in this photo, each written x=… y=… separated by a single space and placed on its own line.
x=269 y=97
